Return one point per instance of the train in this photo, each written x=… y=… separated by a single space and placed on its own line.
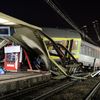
x=49 y=47
x=83 y=51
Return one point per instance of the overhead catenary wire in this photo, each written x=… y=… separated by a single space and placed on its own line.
x=69 y=21
x=61 y=14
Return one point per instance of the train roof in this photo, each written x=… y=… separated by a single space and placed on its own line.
x=89 y=45
x=64 y=33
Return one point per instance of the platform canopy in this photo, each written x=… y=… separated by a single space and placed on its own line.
x=25 y=32
x=8 y=20
x=26 y=35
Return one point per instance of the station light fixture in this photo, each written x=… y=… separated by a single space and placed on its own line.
x=3 y=20
x=6 y=22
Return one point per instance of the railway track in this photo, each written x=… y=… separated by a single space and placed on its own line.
x=93 y=92
x=54 y=90
x=13 y=94
x=78 y=91
x=39 y=92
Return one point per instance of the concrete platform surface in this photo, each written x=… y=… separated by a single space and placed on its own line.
x=13 y=81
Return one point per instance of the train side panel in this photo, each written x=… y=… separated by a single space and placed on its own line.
x=90 y=55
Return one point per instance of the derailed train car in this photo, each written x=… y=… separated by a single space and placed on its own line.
x=83 y=51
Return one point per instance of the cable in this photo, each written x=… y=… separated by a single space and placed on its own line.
x=52 y=5
x=63 y=11
x=96 y=28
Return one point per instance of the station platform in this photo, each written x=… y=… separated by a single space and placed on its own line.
x=13 y=81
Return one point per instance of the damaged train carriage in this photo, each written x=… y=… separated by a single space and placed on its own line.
x=70 y=39
x=83 y=51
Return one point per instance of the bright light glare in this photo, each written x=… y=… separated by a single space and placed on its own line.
x=3 y=20
x=6 y=22
x=9 y=23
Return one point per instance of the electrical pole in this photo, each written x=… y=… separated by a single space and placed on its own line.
x=96 y=28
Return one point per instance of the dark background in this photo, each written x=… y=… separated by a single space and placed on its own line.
x=39 y=13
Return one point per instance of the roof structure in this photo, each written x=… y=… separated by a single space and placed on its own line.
x=8 y=20
x=64 y=33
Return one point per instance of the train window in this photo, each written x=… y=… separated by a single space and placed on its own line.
x=63 y=42
x=98 y=53
x=90 y=51
x=86 y=50
x=75 y=45
x=93 y=52
x=83 y=49
x=50 y=47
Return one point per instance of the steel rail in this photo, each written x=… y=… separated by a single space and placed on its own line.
x=21 y=93
x=54 y=90
x=26 y=90
x=92 y=92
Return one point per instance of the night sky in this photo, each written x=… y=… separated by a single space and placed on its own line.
x=39 y=13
